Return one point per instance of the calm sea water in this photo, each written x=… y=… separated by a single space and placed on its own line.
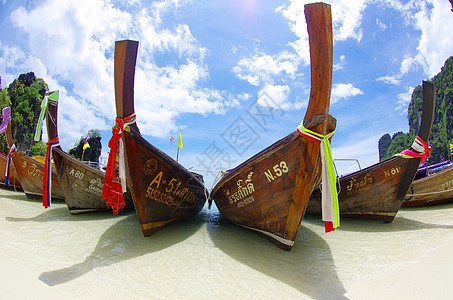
x=98 y=254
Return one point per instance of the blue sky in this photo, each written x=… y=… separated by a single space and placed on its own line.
x=207 y=67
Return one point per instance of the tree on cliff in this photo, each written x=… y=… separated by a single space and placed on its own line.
x=91 y=153
x=24 y=95
x=442 y=131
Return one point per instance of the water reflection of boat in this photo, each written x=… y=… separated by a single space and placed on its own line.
x=268 y=193
x=377 y=192
x=163 y=191
x=433 y=185
x=81 y=183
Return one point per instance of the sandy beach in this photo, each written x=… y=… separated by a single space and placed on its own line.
x=49 y=254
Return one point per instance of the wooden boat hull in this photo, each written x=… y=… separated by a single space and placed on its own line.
x=162 y=190
x=269 y=192
x=376 y=192
x=433 y=189
x=31 y=173
x=82 y=184
x=14 y=182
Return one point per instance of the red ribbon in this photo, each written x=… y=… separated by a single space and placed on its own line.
x=112 y=191
x=46 y=181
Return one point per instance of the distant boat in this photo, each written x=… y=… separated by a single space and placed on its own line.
x=269 y=192
x=8 y=176
x=163 y=191
x=81 y=183
x=378 y=191
x=31 y=173
x=434 y=185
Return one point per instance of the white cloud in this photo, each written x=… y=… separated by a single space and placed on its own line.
x=395 y=79
x=403 y=101
x=78 y=53
x=262 y=68
x=278 y=95
x=340 y=64
x=381 y=24
x=346 y=22
x=343 y=91
x=433 y=18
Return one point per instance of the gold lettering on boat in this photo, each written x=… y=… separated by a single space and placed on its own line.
x=173 y=195
x=278 y=170
x=392 y=171
x=446 y=186
x=77 y=174
x=32 y=170
x=95 y=187
x=356 y=186
x=243 y=191
x=150 y=166
x=157 y=180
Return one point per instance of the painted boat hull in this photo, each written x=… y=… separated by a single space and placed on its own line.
x=162 y=190
x=82 y=184
x=376 y=192
x=433 y=189
x=269 y=193
x=31 y=173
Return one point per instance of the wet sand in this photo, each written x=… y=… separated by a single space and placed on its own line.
x=47 y=253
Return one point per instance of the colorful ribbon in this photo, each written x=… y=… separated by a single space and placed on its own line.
x=47 y=178
x=12 y=150
x=330 y=209
x=420 y=149
x=6 y=118
x=54 y=97
x=115 y=175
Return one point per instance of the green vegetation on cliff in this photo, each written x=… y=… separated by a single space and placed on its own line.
x=442 y=132
x=25 y=95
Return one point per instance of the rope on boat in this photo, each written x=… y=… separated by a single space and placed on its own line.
x=426 y=194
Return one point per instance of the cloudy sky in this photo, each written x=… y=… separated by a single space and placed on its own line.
x=207 y=68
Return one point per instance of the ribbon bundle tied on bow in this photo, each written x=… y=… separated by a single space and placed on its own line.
x=330 y=209
x=12 y=150
x=420 y=149
x=47 y=177
x=115 y=175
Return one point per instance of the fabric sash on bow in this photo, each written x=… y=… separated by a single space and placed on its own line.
x=12 y=150
x=420 y=149
x=54 y=97
x=6 y=118
x=47 y=178
x=115 y=182
x=330 y=209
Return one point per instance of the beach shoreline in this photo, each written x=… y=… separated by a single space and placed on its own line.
x=47 y=253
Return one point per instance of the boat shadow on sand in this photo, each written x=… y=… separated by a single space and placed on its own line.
x=58 y=213
x=123 y=241
x=399 y=224
x=308 y=267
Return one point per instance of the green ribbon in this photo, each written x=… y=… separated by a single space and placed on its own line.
x=54 y=97
x=328 y=165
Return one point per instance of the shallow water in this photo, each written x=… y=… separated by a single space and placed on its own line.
x=101 y=255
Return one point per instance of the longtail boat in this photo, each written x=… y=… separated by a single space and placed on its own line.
x=30 y=171
x=434 y=186
x=377 y=192
x=8 y=176
x=81 y=183
x=163 y=191
x=269 y=192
